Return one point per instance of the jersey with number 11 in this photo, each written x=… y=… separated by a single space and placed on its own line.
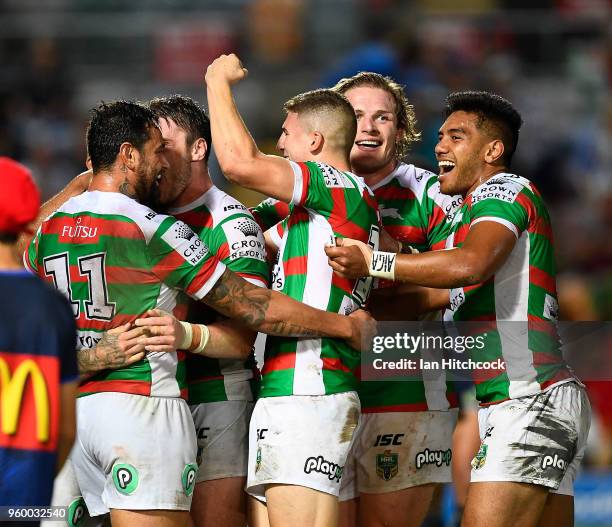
x=114 y=259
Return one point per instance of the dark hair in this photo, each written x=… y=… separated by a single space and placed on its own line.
x=495 y=113
x=187 y=114
x=8 y=238
x=115 y=123
x=404 y=112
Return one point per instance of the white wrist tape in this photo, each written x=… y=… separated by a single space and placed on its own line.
x=187 y=338
x=382 y=265
x=204 y=338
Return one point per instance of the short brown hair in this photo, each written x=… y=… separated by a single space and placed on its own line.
x=406 y=118
x=330 y=109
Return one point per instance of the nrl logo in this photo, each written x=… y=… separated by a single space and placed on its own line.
x=387 y=465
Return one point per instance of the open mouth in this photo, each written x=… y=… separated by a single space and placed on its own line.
x=368 y=144
x=445 y=166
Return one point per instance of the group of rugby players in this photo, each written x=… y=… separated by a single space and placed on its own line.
x=346 y=217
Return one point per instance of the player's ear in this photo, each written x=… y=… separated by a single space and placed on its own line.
x=128 y=157
x=199 y=149
x=316 y=142
x=494 y=151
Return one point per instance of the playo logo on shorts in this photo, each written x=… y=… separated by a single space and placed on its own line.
x=554 y=462
x=125 y=478
x=189 y=477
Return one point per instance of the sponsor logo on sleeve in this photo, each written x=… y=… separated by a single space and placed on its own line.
x=244 y=239
x=551 y=307
x=502 y=190
x=184 y=241
x=334 y=178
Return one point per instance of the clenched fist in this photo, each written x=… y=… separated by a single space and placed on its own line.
x=226 y=68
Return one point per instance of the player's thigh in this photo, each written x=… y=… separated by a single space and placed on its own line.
x=348 y=513
x=402 y=508
x=504 y=504
x=219 y=502
x=257 y=513
x=297 y=505
x=156 y=518
x=558 y=511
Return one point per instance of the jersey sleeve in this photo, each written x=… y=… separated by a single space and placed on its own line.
x=239 y=243
x=440 y=209
x=180 y=259
x=269 y=212
x=313 y=186
x=502 y=203
x=30 y=255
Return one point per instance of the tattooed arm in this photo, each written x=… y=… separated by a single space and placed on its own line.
x=118 y=347
x=277 y=314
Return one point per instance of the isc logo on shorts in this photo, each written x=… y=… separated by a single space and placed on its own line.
x=554 y=462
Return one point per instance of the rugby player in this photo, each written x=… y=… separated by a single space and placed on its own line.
x=415 y=415
x=393 y=489
x=113 y=256
x=303 y=422
x=500 y=267
x=220 y=392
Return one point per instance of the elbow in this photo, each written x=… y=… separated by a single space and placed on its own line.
x=473 y=272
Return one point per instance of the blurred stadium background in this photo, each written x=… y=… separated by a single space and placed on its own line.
x=552 y=58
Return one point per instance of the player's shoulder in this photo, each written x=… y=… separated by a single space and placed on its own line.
x=223 y=207
x=114 y=206
x=417 y=179
x=333 y=177
x=503 y=187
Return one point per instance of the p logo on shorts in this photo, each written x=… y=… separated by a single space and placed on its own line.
x=189 y=477
x=125 y=478
x=77 y=513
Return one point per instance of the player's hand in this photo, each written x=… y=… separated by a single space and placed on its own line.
x=163 y=332
x=119 y=347
x=364 y=330
x=227 y=68
x=349 y=258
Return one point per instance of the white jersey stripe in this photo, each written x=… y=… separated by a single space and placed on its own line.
x=308 y=376
x=511 y=286
x=501 y=221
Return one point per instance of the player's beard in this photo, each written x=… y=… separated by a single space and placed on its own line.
x=147 y=189
x=174 y=182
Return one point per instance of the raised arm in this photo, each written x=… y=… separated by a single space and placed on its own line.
x=239 y=158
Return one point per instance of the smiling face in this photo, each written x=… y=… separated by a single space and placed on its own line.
x=460 y=152
x=294 y=140
x=178 y=154
x=377 y=132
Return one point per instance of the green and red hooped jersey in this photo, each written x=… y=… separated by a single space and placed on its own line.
x=520 y=300
x=326 y=203
x=413 y=210
x=114 y=259
x=230 y=232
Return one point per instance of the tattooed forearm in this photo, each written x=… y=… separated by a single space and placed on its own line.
x=266 y=311
x=87 y=362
